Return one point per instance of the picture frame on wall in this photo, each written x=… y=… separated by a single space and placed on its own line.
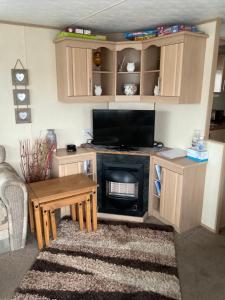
x=21 y=97
x=23 y=115
x=19 y=76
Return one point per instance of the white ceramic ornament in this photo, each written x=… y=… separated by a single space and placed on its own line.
x=98 y=90
x=130 y=67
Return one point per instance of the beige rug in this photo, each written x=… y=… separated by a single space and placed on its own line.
x=119 y=261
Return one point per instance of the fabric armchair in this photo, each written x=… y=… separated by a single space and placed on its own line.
x=13 y=207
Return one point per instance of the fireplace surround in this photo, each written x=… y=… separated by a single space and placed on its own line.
x=123 y=184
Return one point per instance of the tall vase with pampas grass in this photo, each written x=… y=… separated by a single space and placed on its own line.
x=36 y=157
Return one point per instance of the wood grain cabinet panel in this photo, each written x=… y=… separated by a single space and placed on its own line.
x=82 y=71
x=170 y=199
x=171 y=69
x=76 y=63
x=182 y=189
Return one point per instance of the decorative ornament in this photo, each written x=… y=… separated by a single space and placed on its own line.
x=97 y=58
x=21 y=94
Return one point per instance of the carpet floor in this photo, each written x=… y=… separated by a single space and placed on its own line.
x=119 y=261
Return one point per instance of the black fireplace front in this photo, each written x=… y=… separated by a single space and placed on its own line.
x=123 y=184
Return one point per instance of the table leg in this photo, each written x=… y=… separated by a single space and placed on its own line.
x=80 y=212
x=38 y=225
x=73 y=212
x=31 y=215
x=46 y=226
x=53 y=223
x=94 y=210
x=88 y=214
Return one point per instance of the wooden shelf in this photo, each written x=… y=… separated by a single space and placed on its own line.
x=102 y=72
x=135 y=72
x=151 y=71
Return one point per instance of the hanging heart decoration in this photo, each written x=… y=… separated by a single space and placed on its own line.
x=23 y=115
x=20 y=76
x=21 y=96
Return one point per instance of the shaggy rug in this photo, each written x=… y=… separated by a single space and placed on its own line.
x=119 y=261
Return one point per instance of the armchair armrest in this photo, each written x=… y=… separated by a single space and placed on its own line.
x=13 y=193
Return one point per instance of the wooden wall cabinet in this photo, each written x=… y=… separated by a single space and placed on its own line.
x=182 y=187
x=76 y=73
x=174 y=62
x=181 y=64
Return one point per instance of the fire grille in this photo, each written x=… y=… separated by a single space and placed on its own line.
x=122 y=189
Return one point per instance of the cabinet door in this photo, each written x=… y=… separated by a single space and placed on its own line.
x=72 y=168
x=79 y=75
x=171 y=69
x=170 y=200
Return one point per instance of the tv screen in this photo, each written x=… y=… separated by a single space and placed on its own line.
x=123 y=128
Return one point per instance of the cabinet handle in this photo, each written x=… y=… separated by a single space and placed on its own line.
x=90 y=86
x=159 y=85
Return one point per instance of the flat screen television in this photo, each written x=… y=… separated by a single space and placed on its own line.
x=123 y=128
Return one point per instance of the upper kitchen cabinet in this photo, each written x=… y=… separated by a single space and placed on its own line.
x=83 y=66
x=167 y=69
x=176 y=68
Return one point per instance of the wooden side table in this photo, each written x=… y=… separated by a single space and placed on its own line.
x=71 y=163
x=59 y=192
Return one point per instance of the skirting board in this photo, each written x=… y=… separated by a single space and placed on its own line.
x=105 y=216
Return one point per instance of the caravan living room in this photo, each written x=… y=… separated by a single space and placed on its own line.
x=112 y=150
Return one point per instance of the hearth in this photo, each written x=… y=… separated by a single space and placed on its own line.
x=123 y=184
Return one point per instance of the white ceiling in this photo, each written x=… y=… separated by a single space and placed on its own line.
x=110 y=15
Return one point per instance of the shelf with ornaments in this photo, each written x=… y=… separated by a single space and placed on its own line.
x=103 y=72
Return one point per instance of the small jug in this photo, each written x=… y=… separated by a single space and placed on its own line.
x=98 y=90
x=130 y=67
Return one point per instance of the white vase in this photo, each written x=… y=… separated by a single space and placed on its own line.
x=130 y=89
x=51 y=137
x=98 y=90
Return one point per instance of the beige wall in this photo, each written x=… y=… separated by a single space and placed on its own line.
x=34 y=46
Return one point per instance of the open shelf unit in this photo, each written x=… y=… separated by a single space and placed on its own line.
x=103 y=75
x=125 y=77
x=156 y=188
x=151 y=70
